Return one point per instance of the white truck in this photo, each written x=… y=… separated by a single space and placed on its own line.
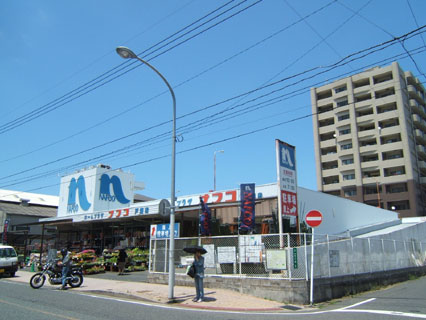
x=8 y=260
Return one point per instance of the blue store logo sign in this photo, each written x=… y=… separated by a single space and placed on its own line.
x=104 y=193
x=79 y=186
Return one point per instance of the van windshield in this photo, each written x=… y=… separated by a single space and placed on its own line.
x=7 y=253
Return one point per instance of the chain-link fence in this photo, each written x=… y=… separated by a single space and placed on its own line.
x=289 y=256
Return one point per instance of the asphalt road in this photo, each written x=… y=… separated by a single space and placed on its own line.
x=20 y=301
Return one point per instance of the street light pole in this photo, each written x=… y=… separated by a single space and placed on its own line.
x=214 y=169
x=126 y=53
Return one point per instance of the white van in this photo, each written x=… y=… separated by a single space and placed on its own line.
x=8 y=260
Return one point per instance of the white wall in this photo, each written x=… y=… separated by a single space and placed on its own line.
x=340 y=214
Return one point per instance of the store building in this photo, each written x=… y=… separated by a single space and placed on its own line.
x=369 y=136
x=97 y=211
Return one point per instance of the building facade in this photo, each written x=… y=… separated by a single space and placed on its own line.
x=370 y=139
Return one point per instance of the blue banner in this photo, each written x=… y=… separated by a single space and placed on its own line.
x=248 y=197
x=205 y=219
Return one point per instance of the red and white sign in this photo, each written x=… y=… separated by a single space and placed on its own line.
x=313 y=218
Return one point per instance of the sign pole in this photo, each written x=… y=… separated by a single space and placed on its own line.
x=312 y=267
x=313 y=219
x=280 y=204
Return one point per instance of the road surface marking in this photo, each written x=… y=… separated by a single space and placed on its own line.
x=36 y=310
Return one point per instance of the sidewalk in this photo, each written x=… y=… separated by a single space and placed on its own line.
x=215 y=299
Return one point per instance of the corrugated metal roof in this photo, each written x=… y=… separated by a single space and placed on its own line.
x=28 y=210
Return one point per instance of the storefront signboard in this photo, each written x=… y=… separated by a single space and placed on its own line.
x=162 y=231
x=287 y=180
x=94 y=190
x=148 y=208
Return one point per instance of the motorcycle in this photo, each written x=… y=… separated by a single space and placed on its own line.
x=54 y=274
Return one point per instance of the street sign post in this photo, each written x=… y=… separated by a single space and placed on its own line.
x=313 y=219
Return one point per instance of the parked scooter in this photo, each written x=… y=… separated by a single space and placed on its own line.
x=54 y=274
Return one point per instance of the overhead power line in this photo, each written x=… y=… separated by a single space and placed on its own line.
x=197 y=122
x=115 y=116
x=119 y=70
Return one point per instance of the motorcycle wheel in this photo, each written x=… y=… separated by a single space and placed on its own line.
x=76 y=280
x=37 y=280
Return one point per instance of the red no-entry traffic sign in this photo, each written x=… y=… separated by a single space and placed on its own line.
x=313 y=218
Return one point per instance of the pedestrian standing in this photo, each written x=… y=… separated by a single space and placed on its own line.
x=199 y=276
x=121 y=261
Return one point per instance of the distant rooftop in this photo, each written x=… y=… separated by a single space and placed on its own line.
x=30 y=198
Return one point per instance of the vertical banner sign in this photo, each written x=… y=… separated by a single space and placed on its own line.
x=286 y=166
x=248 y=197
x=6 y=226
x=205 y=218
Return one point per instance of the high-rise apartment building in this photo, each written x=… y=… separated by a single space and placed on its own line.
x=370 y=139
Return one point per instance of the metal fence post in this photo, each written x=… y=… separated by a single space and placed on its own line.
x=150 y=253
x=396 y=256
x=166 y=250
x=239 y=255
x=328 y=253
x=353 y=260
x=406 y=254
x=290 y=255
x=383 y=253
x=306 y=261
x=369 y=254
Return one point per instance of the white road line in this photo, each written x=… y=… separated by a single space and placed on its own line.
x=357 y=304
x=385 y=312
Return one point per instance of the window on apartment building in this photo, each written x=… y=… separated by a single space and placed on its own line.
x=328 y=107
x=386 y=107
x=333 y=192
x=327 y=136
x=362 y=97
x=371 y=189
x=374 y=203
x=366 y=127
x=394 y=171
x=399 y=205
x=330 y=180
x=343 y=116
x=394 y=154
x=342 y=102
x=340 y=89
x=370 y=173
x=396 y=188
x=324 y=94
x=329 y=165
x=346 y=146
x=369 y=158
x=364 y=112
x=361 y=83
x=345 y=131
x=347 y=161
x=326 y=122
x=348 y=176
x=389 y=123
x=349 y=192
x=383 y=77
x=329 y=150
x=392 y=138
x=384 y=93
x=368 y=142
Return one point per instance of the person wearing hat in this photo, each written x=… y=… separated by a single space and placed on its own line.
x=199 y=276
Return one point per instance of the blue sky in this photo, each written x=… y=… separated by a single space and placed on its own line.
x=68 y=101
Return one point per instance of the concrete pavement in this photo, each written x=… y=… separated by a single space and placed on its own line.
x=215 y=299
